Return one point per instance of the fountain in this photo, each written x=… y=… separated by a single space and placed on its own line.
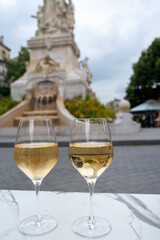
x=54 y=72
x=45 y=93
x=54 y=55
x=43 y=102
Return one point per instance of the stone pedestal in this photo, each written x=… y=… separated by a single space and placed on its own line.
x=62 y=49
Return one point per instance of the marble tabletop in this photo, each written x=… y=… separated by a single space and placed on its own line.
x=132 y=216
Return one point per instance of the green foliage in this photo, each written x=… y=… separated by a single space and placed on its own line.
x=4 y=91
x=89 y=108
x=17 y=67
x=145 y=72
x=23 y=97
x=7 y=103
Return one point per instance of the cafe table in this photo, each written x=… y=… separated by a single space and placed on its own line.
x=131 y=216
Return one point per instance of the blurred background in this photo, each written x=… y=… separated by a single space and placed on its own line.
x=67 y=59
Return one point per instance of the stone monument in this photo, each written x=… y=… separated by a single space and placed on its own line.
x=54 y=55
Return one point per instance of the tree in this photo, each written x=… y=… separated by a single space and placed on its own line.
x=146 y=72
x=17 y=67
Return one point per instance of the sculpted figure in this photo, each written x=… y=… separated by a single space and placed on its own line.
x=66 y=15
x=55 y=16
x=70 y=15
x=86 y=69
x=62 y=5
x=50 y=11
x=85 y=64
x=62 y=16
x=40 y=17
x=46 y=65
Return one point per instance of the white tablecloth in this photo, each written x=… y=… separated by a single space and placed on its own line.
x=132 y=217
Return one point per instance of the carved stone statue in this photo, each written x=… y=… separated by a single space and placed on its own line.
x=50 y=11
x=62 y=5
x=55 y=16
x=87 y=70
x=40 y=17
x=46 y=66
x=70 y=16
x=85 y=64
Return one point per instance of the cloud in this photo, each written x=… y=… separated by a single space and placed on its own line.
x=16 y=24
x=108 y=89
x=6 y=5
x=111 y=33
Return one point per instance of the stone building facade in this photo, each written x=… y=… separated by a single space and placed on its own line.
x=4 y=57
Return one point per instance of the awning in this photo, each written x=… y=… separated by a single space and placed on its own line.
x=149 y=105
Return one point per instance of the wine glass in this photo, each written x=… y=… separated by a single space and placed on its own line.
x=91 y=153
x=36 y=153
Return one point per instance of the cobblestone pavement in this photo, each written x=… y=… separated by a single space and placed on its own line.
x=144 y=134
x=135 y=169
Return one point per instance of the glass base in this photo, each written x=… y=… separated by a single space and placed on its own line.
x=29 y=227
x=81 y=227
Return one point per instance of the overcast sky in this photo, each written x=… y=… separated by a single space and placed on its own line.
x=112 y=33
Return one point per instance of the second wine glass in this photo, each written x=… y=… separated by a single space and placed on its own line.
x=36 y=153
x=91 y=153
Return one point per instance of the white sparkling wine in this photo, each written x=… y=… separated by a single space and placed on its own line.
x=91 y=159
x=36 y=159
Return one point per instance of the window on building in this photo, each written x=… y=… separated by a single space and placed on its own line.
x=5 y=72
x=1 y=83
x=1 y=69
x=3 y=55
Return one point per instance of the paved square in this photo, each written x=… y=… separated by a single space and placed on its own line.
x=135 y=169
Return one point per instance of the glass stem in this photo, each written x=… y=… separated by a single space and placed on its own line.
x=91 y=220
x=38 y=220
